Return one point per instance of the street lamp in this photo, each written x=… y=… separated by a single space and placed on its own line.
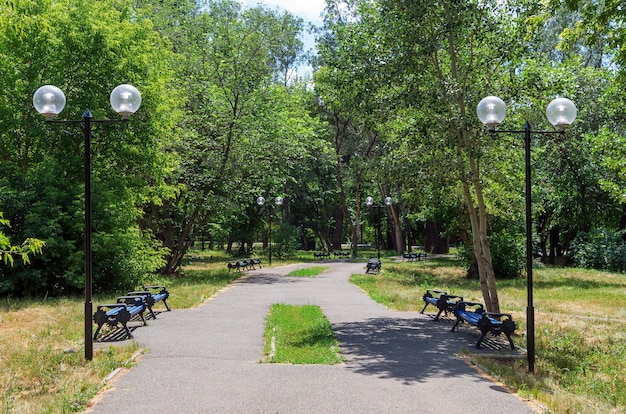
x=369 y=201
x=561 y=113
x=279 y=202
x=50 y=101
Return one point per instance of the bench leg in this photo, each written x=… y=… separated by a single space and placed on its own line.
x=95 y=335
x=508 y=336
x=128 y=334
x=166 y=305
x=143 y=319
x=424 y=308
x=439 y=314
x=456 y=325
x=480 y=340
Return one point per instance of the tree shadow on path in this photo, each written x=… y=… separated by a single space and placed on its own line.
x=409 y=350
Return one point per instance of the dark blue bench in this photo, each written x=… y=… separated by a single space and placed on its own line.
x=321 y=255
x=151 y=295
x=341 y=254
x=244 y=264
x=119 y=313
x=236 y=266
x=412 y=256
x=252 y=263
x=486 y=322
x=444 y=302
x=373 y=265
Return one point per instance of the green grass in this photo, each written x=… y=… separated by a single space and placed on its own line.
x=299 y=335
x=308 y=271
x=580 y=328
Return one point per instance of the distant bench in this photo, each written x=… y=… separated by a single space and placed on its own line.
x=412 y=256
x=341 y=253
x=119 y=313
x=373 y=265
x=444 y=302
x=321 y=255
x=486 y=322
x=151 y=295
x=244 y=264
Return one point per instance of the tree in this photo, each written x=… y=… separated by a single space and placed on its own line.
x=7 y=250
x=242 y=131
x=600 y=23
x=86 y=49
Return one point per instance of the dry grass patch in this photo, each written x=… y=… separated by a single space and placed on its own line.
x=42 y=361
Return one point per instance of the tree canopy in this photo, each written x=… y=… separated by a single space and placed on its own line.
x=389 y=111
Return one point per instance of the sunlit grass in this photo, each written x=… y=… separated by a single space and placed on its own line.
x=580 y=328
x=43 y=369
x=299 y=335
x=308 y=271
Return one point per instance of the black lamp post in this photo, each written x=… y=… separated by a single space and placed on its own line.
x=561 y=112
x=369 y=201
x=279 y=202
x=50 y=101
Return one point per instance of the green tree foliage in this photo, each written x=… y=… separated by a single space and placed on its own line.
x=600 y=23
x=243 y=132
x=601 y=249
x=86 y=49
x=8 y=251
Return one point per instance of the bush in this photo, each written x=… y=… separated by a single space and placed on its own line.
x=285 y=241
x=507 y=254
x=600 y=249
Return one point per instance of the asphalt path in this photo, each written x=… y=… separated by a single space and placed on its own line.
x=207 y=359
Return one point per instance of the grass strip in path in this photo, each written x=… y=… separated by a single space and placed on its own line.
x=299 y=335
x=308 y=271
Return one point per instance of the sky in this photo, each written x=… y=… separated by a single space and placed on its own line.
x=309 y=10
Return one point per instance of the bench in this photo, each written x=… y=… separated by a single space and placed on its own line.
x=238 y=266
x=486 y=322
x=412 y=256
x=151 y=295
x=234 y=265
x=341 y=254
x=373 y=265
x=254 y=262
x=119 y=313
x=321 y=255
x=244 y=264
x=444 y=302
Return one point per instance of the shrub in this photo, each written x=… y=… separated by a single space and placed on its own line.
x=600 y=249
x=285 y=241
x=507 y=254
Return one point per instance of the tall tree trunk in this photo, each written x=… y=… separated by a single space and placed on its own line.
x=493 y=304
x=338 y=233
x=396 y=229
x=434 y=243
